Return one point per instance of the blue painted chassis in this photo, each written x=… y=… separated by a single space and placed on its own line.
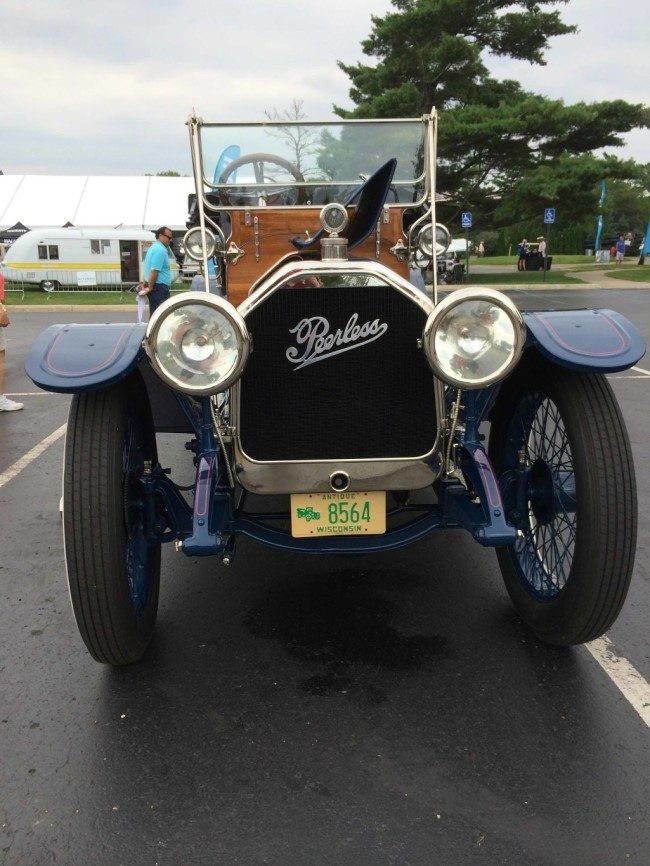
x=78 y=358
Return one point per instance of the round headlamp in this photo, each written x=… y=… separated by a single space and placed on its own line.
x=198 y=343
x=425 y=239
x=474 y=338
x=193 y=243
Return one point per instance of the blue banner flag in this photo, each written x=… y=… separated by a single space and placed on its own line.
x=599 y=231
x=229 y=155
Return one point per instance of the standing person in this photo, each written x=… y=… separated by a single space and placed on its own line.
x=157 y=272
x=641 y=252
x=541 y=249
x=620 y=249
x=6 y=405
x=481 y=250
x=522 y=252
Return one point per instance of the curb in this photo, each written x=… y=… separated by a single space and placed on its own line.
x=521 y=287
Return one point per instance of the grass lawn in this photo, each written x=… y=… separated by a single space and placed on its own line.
x=36 y=298
x=512 y=260
x=55 y=299
x=636 y=275
x=522 y=278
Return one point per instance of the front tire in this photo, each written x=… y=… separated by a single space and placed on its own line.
x=113 y=570
x=561 y=452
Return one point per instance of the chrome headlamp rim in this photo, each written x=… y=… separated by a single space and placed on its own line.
x=224 y=307
x=440 y=240
x=453 y=300
x=210 y=241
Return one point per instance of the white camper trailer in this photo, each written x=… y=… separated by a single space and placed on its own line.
x=52 y=257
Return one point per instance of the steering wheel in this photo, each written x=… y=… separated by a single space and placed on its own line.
x=276 y=196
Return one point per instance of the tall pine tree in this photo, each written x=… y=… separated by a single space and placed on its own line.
x=503 y=152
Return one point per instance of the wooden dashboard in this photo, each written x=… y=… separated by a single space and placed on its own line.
x=265 y=235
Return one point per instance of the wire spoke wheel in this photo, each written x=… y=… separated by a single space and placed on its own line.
x=560 y=449
x=546 y=546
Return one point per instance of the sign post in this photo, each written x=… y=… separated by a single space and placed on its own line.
x=466 y=223
x=549 y=219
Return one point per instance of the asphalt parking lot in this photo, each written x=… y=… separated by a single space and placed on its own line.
x=389 y=709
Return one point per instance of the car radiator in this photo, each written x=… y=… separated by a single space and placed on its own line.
x=336 y=373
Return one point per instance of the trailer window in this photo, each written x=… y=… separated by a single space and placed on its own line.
x=53 y=252
x=42 y=251
x=100 y=248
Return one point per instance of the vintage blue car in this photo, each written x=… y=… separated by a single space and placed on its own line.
x=331 y=405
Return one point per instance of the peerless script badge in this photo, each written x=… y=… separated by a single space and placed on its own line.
x=317 y=342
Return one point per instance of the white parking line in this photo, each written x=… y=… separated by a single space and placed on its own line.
x=631 y=377
x=36 y=394
x=641 y=370
x=32 y=455
x=625 y=676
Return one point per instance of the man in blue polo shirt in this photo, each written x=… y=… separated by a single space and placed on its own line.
x=157 y=272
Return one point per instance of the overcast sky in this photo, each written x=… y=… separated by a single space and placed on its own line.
x=106 y=88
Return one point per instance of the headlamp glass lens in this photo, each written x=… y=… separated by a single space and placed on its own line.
x=425 y=240
x=193 y=244
x=198 y=346
x=474 y=341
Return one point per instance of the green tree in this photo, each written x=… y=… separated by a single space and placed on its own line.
x=503 y=152
x=626 y=207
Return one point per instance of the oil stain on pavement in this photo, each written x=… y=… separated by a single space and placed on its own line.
x=344 y=626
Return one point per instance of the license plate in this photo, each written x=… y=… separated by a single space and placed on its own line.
x=331 y=514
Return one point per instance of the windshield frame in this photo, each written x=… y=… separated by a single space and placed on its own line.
x=427 y=200
x=205 y=186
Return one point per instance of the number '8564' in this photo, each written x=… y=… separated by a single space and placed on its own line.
x=348 y=512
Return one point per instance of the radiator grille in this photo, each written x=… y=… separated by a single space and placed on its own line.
x=373 y=401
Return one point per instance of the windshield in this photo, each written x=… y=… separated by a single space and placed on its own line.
x=310 y=163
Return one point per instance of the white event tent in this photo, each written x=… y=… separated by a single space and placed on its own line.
x=93 y=201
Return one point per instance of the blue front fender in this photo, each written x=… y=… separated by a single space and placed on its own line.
x=585 y=340
x=73 y=358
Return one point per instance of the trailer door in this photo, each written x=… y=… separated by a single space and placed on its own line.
x=129 y=262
